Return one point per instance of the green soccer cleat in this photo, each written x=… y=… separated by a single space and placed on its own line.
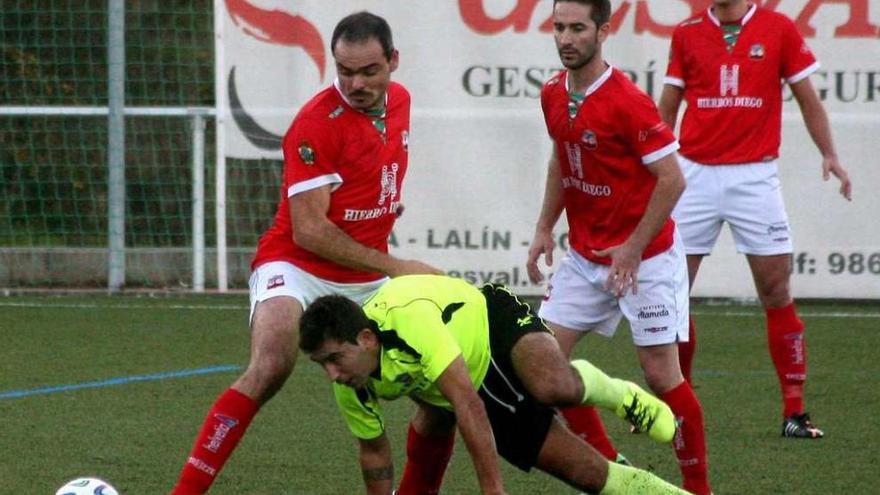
x=647 y=414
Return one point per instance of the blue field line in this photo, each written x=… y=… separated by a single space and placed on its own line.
x=17 y=394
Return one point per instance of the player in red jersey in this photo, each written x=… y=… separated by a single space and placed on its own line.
x=613 y=170
x=345 y=156
x=729 y=65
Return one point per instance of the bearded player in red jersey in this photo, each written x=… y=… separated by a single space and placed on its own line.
x=345 y=156
x=613 y=170
x=729 y=64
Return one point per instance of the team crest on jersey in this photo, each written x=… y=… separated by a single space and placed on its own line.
x=275 y=281
x=589 y=140
x=756 y=52
x=404 y=138
x=306 y=153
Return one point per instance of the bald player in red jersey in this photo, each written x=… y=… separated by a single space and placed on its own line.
x=613 y=171
x=729 y=65
x=345 y=157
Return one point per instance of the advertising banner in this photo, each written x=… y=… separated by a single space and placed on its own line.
x=479 y=147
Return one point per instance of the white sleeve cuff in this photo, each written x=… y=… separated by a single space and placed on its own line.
x=315 y=183
x=800 y=76
x=664 y=151
x=673 y=81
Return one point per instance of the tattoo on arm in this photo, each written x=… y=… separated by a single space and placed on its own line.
x=379 y=473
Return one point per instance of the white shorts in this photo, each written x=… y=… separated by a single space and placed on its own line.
x=748 y=197
x=658 y=314
x=280 y=278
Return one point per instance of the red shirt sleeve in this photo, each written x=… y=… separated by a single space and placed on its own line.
x=675 y=69
x=798 y=60
x=646 y=132
x=311 y=152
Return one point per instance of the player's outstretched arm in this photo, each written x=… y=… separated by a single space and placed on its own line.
x=670 y=102
x=550 y=211
x=473 y=423
x=816 y=120
x=314 y=231
x=377 y=467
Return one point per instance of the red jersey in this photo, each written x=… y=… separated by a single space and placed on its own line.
x=734 y=98
x=329 y=142
x=602 y=153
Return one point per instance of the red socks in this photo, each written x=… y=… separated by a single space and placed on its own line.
x=223 y=428
x=584 y=421
x=785 y=337
x=690 y=440
x=686 y=351
x=426 y=461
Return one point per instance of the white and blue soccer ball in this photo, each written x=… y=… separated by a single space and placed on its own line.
x=87 y=486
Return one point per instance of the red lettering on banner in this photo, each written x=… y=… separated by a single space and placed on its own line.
x=644 y=21
x=475 y=17
x=857 y=26
x=616 y=20
x=279 y=28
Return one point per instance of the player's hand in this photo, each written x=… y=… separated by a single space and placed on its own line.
x=412 y=267
x=624 y=271
x=830 y=165
x=543 y=243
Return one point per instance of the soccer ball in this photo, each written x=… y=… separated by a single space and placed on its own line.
x=87 y=486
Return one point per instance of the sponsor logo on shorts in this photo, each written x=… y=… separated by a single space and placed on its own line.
x=653 y=311
x=275 y=281
x=525 y=320
x=202 y=466
x=221 y=430
x=656 y=329
x=778 y=232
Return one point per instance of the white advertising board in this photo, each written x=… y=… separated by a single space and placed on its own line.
x=478 y=142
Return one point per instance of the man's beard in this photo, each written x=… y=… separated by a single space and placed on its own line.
x=581 y=63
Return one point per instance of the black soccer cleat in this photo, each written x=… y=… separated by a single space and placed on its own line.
x=800 y=426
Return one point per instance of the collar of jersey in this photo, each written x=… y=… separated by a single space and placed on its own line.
x=596 y=84
x=744 y=20
x=347 y=102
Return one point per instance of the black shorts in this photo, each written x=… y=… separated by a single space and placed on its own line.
x=519 y=423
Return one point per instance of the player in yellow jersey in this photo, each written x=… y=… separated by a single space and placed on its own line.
x=481 y=359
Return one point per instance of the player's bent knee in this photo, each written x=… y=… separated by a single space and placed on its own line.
x=558 y=392
x=277 y=366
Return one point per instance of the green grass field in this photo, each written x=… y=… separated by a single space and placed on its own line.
x=136 y=431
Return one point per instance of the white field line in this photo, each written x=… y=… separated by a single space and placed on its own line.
x=234 y=307
x=223 y=307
